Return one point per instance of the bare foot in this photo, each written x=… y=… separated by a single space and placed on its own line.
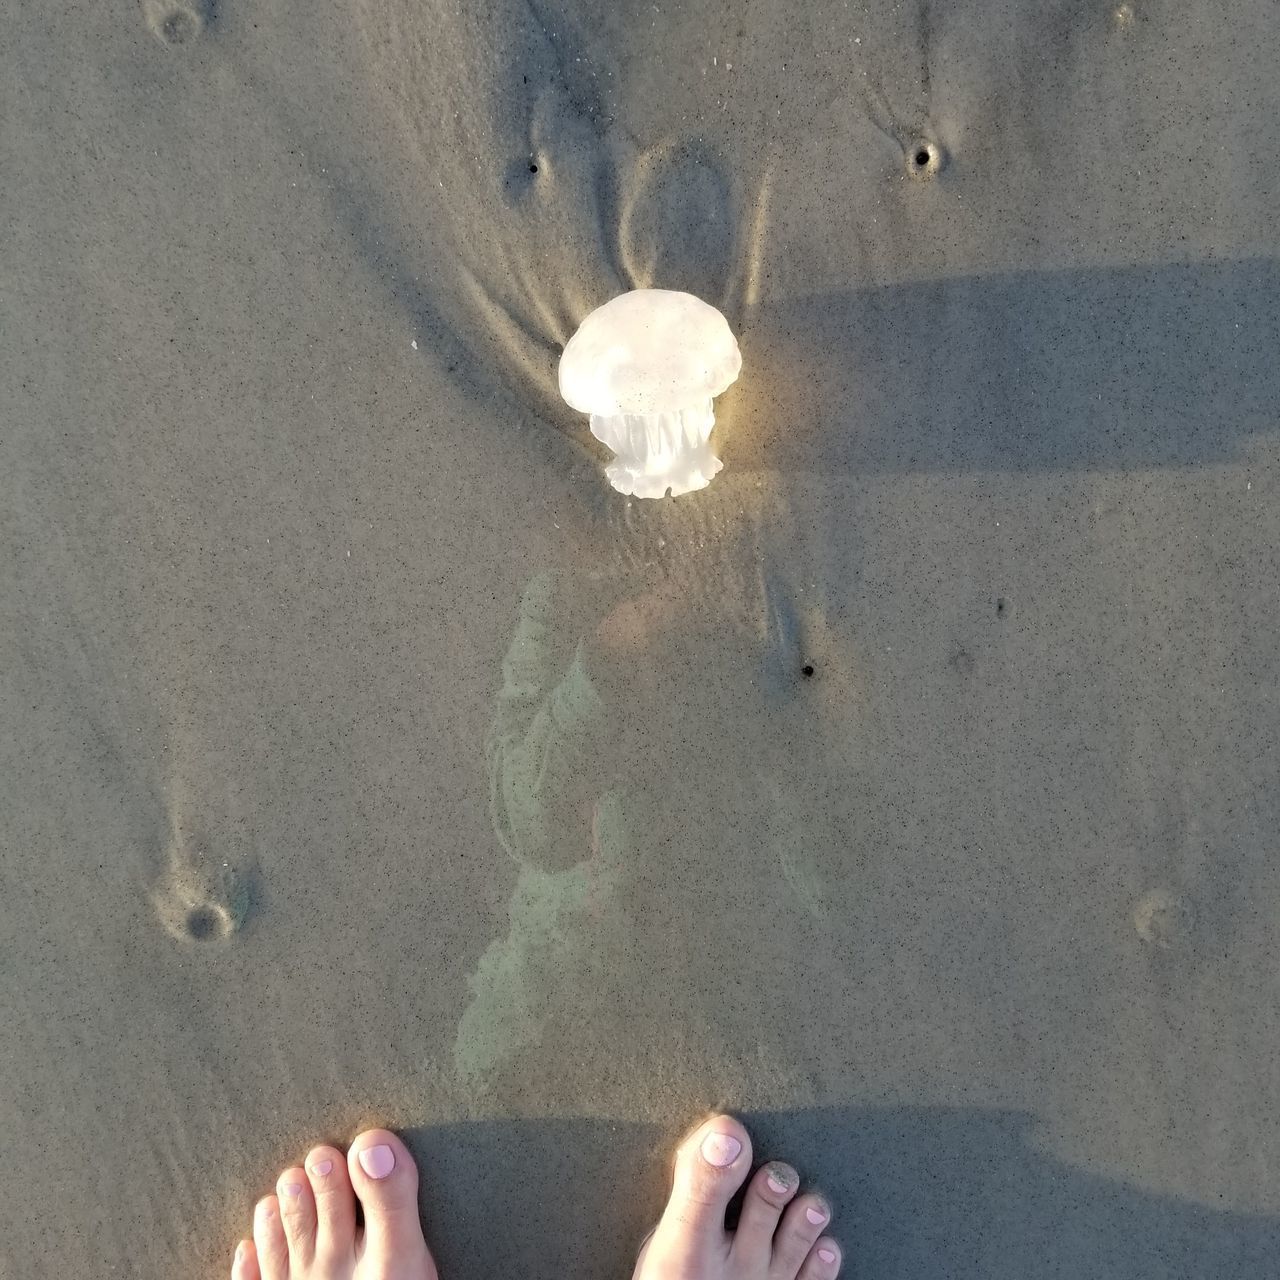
x=779 y=1233
x=307 y=1230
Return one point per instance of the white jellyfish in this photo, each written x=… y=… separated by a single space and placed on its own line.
x=645 y=366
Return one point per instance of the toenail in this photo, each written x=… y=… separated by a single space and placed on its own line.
x=720 y=1149
x=292 y=1188
x=815 y=1215
x=322 y=1168
x=827 y=1255
x=776 y=1182
x=240 y=1252
x=377 y=1162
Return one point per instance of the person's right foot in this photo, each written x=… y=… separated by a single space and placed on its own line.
x=779 y=1235
x=307 y=1230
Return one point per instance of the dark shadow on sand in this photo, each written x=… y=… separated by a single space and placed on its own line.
x=920 y=1193
x=1110 y=368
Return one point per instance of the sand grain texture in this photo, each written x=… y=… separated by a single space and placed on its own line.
x=912 y=790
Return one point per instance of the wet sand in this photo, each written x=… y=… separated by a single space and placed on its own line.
x=912 y=790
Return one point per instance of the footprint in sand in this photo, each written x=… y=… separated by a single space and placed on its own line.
x=202 y=897
x=176 y=22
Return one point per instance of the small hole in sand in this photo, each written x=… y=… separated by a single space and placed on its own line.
x=533 y=168
x=1002 y=607
x=807 y=669
x=924 y=159
x=202 y=923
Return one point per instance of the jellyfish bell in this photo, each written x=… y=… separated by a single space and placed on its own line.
x=646 y=367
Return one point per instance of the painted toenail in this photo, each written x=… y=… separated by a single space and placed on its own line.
x=826 y=1255
x=292 y=1188
x=322 y=1168
x=377 y=1162
x=776 y=1183
x=815 y=1215
x=720 y=1149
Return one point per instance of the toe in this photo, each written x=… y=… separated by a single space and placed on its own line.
x=268 y=1240
x=711 y=1165
x=385 y=1179
x=801 y=1225
x=823 y=1262
x=767 y=1195
x=297 y=1216
x=244 y=1266
x=335 y=1206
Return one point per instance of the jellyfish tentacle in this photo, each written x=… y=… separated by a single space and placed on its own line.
x=660 y=451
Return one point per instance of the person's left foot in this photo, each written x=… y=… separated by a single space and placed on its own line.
x=307 y=1230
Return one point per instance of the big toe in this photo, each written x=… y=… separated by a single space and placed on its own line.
x=385 y=1179
x=711 y=1164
